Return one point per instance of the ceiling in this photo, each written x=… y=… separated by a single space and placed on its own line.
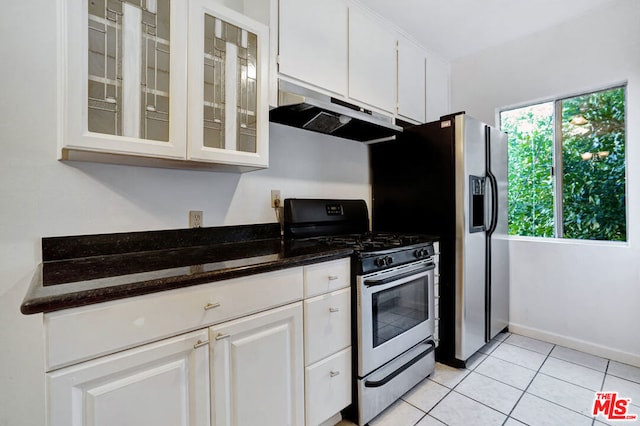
x=457 y=28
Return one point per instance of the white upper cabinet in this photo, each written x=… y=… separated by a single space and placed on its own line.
x=228 y=77
x=122 y=80
x=313 y=38
x=341 y=48
x=372 y=61
x=175 y=83
x=412 y=80
x=438 y=88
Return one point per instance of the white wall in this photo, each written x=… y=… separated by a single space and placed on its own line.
x=41 y=197
x=583 y=295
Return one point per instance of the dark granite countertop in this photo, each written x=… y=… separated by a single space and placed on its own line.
x=83 y=270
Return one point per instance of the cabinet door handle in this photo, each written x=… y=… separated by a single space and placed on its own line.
x=200 y=343
x=334 y=373
x=334 y=309
x=333 y=277
x=221 y=336
x=211 y=306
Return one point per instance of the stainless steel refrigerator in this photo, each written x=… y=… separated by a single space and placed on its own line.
x=449 y=178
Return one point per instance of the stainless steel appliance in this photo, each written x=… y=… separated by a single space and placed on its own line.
x=449 y=178
x=395 y=318
x=305 y=109
x=392 y=294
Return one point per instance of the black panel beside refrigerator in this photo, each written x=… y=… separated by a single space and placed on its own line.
x=428 y=181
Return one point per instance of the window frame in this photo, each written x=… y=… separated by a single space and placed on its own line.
x=557 y=165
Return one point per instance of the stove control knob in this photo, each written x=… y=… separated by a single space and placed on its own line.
x=388 y=260
x=380 y=262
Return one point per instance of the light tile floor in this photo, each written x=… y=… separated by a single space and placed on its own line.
x=516 y=380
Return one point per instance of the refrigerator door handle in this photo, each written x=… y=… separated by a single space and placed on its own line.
x=493 y=182
x=494 y=203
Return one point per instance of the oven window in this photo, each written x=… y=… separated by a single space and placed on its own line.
x=397 y=309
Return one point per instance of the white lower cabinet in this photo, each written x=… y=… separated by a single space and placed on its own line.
x=268 y=348
x=327 y=340
x=256 y=369
x=326 y=320
x=160 y=384
x=328 y=386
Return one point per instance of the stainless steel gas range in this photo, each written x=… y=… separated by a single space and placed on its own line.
x=392 y=297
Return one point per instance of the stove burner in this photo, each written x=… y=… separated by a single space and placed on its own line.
x=369 y=242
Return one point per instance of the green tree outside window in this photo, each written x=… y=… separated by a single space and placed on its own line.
x=567 y=167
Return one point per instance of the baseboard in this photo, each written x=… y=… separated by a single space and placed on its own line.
x=577 y=344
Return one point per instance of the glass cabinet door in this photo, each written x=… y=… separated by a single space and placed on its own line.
x=124 y=76
x=128 y=68
x=228 y=85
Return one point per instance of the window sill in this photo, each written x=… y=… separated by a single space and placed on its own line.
x=567 y=241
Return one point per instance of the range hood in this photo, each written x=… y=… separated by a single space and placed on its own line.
x=305 y=109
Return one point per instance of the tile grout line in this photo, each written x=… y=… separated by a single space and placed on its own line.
x=561 y=406
x=579 y=365
x=553 y=402
x=566 y=360
x=444 y=396
x=536 y=373
x=568 y=382
x=434 y=405
x=549 y=355
x=500 y=381
x=420 y=419
x=474 y=371
x=605 y=373
x=529 y=385
x=426 y=413
x=604 y=379
x=463 y=395
x=451 y=389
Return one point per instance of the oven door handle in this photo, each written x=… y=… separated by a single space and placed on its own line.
x=382 y=281
x=387 y=379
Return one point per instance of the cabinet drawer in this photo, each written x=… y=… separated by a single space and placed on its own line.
x=325 y=277
x=327 y=324
x=328 y=387
x=83 y=333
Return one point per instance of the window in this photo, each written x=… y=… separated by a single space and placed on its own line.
x=567 y=167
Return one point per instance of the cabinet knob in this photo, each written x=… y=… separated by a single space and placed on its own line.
x=333 y=277
x=221 y=336
x=211 y=306
x=334 y=309
x=200 y=343
x=334 y=373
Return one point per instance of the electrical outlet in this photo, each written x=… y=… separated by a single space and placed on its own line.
x=275 y=198
x=195 y=219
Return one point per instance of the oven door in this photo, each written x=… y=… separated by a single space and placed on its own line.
x=395 y=313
